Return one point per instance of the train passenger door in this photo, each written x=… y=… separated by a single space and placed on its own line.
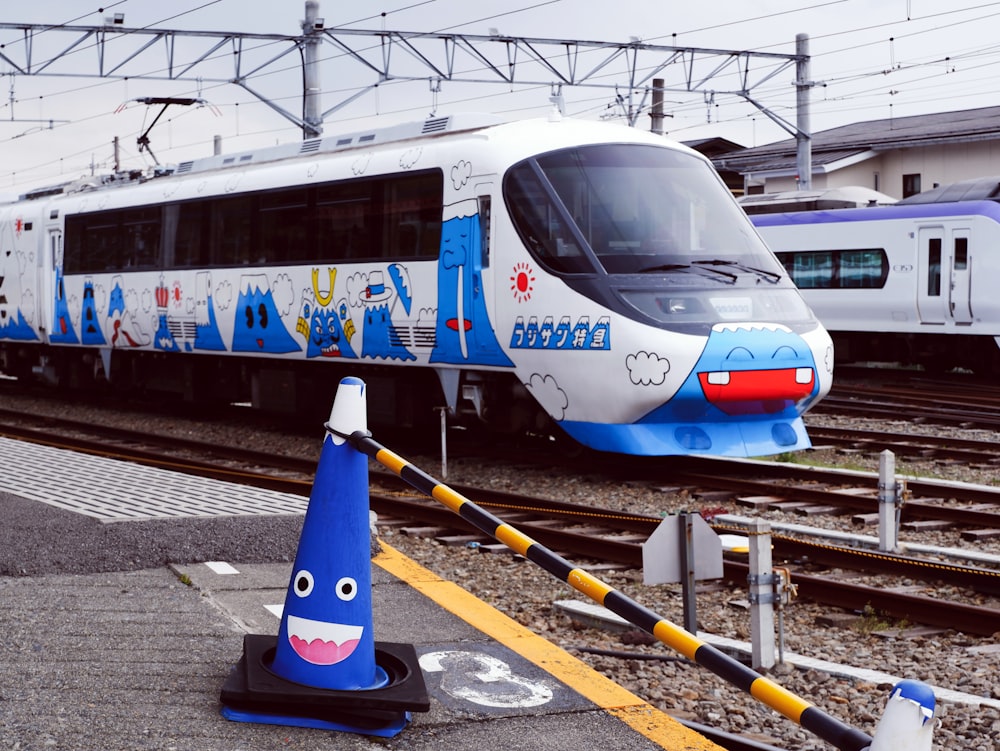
x=960 y=301
x=47 y=292
x=931 y=303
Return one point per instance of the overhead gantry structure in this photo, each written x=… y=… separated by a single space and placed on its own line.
x=635 y=71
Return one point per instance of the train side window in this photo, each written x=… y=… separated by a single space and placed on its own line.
x=934 y=267
x=837 y=269
x=140 y=229
x=411 y=216
x=862 y=268
x=285 y=231
x=191 y=246
x=232 y=235
x=102 y=247
x=343 y=214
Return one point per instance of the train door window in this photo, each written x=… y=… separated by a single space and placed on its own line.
x=961 y=261
x=934 y=267
x=485 y=219
x=960 y=286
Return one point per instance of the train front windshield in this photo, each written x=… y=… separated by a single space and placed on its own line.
x=639 y=213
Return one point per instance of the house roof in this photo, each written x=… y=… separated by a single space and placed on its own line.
x=836 y=144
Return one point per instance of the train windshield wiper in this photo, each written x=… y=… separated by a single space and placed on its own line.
x=727 y=277
x=771 y=276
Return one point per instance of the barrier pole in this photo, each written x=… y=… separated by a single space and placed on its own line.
x=796 y=709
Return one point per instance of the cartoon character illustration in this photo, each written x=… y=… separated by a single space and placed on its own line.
x=464 y=333
x=90 y=329
x=13 y=323
x=206 y=334
x=63 y=331
x=326 y=327
x=121 y=326
x=258 y=326
x=163 y=338
x=380 y=338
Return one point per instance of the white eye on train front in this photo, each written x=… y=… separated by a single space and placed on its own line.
x=719 y=378
x=803 y=375
x=347 y=589
x=304 y=583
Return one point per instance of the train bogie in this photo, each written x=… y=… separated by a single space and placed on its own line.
x=539 y=276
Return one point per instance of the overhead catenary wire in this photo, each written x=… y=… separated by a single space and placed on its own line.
x=687 y=115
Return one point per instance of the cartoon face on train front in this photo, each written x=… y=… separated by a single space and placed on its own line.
x=754 y=369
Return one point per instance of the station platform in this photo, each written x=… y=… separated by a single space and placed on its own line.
x=136 y=660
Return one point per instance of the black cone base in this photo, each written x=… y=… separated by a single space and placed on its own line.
x=254 y=693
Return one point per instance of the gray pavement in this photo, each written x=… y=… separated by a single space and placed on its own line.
x=136 y=660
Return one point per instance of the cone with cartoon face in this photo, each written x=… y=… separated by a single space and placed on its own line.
x=324 y=669
x=326 y=637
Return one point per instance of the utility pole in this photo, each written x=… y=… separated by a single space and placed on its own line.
x=312 y=29
x=803 y=135
x=656 y=112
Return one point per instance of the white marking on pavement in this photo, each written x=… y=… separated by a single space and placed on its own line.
x=222 y=568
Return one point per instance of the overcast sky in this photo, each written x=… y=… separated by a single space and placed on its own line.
x=870 y=59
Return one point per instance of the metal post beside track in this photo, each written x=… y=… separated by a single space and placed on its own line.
x=810 y=717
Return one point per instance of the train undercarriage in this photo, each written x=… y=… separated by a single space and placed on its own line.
x=404 y=397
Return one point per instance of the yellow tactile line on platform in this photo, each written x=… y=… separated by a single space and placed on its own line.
x=605 y=693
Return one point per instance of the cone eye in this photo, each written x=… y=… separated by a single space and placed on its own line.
x=347 y=589
x=304 y=583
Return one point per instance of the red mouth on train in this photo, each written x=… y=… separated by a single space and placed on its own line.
x=753 y=392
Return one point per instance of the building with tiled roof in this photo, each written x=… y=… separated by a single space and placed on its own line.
x=897 y=156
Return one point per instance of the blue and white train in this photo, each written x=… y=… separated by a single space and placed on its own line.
x=538 y=276
x=911 y=283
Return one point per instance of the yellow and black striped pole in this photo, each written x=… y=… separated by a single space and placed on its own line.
x=813 y=719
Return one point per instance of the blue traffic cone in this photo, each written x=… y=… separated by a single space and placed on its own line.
x=325 y=669
x=326 y=637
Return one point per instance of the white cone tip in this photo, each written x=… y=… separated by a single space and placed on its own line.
x=350 y=409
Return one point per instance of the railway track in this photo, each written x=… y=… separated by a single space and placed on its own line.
x=584 y=532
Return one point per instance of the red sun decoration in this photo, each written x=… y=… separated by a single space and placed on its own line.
x=521 y=282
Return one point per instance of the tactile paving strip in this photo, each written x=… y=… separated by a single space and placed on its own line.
x=113 y=490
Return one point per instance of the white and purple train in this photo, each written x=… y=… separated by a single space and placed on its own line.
x=537 y=276
x=912 y=283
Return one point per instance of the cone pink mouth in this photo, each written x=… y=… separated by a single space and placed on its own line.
x=320 y=642
x=319 y=652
